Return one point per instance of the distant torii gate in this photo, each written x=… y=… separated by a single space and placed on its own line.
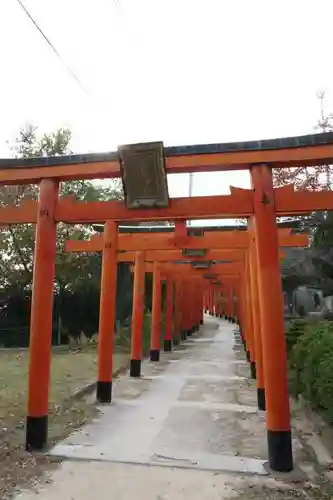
x=227 y=272
x=223 y=239
x=261 y=205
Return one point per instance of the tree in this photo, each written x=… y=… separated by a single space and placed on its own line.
x=319 y=258
x=310 y=178
x=77 y=276
x=17 y=242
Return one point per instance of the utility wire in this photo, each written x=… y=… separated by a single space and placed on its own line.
x=50 y=44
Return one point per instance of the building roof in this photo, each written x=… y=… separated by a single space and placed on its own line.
x=298 y=261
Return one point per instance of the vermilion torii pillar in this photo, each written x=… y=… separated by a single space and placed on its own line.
x=231 y=303
x=169 y=294
x=107 y=313
x=156 y=323
x=210 y=302
x=41 y=317
x=227 y=301
x=199 y=306
x=205 y=301
x=137 y=314
x=218 y=304
x=251 y=353
x=182 y=306
x=192 y=312
x=253 y=268
x=190 y=316
x=185 y=304
x=178 y=312
x=271 y=306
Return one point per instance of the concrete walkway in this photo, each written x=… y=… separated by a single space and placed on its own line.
x=189 y=428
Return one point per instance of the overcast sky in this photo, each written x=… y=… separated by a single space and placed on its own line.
x=181 y=71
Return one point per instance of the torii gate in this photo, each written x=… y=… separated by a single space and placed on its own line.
x=223 y=239
x=240 y=240
x=261 y=204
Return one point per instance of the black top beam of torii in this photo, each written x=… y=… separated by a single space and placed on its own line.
x=227 y=147
x=294 y=225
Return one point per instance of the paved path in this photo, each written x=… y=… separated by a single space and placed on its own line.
x=189 y=428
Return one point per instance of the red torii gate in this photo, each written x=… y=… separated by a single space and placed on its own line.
x=262 y=204
x=209 y=244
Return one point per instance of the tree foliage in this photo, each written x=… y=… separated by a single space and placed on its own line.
x=17 y=242
x=319 y=259
x=77 y=275
x=310 y=178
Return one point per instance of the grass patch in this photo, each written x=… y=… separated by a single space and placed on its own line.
x=70 y=372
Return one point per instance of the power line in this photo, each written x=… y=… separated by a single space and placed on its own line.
x=50 y=44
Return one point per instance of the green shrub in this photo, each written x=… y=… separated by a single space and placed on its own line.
x=123 y=337
x=294 y=332
x=312 y=361
x=146 y=334
x=328 y=315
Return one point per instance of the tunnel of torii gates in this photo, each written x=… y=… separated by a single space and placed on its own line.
x=252 y=273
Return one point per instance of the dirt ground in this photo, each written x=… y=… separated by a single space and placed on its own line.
x=307 y=491
x=198 y=395
x=71 y=371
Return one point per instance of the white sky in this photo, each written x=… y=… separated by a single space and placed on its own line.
x=181 y=71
